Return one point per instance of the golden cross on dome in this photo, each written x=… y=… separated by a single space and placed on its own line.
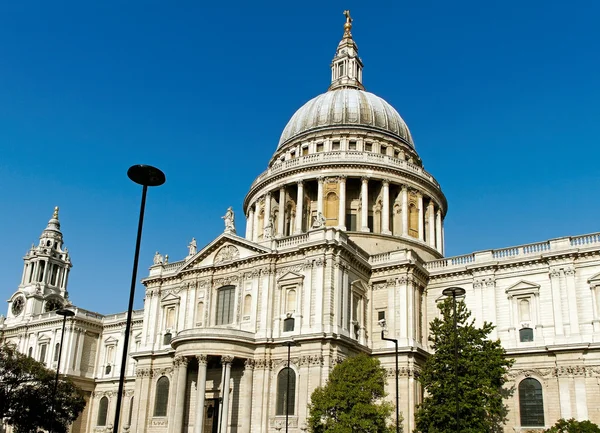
x=348 y=24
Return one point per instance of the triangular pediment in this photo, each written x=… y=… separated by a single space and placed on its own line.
x=523 y=288
x=359 y=286
x=110 y=340
x=290 y=277
x=170 y=298
x=225 y=249
x=594 y=280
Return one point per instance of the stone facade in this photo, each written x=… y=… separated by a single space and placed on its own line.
x=344 y=231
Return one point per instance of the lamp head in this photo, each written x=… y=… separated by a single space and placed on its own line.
x=382 y=323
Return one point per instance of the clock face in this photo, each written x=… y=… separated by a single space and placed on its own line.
x=53 y=304
x=17 y=305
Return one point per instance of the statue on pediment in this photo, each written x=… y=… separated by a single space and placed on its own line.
x=192 y=247
x=229 y=218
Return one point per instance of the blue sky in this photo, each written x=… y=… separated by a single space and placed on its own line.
x=501 y=99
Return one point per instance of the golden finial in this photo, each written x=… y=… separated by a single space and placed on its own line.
x=55 y=214
x=348 y=24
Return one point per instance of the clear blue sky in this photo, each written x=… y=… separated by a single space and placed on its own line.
x=502 y=99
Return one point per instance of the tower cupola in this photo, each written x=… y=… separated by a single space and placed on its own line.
x=346 y=67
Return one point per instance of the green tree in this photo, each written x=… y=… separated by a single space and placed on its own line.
x=351 y=400
x=482 y=368
x=26 y=395
x=572 y=426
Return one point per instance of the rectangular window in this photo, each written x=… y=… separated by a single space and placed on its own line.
x=304 y=150
x=352 y=145
x=43 y=353
x=320 y=147
x=383 y=150
x=381 y=315
x=225 y=305
x=368 y=147
x=351 y=222
x=335 y=145
x=292 y=154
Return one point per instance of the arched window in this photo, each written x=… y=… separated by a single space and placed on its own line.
x=291 y=301
x=199 y=313
x=30 y=352
x=247 y=307
x=524 y=310
x=282 y=391
x=225 y=304
x=525 y=334
x=102 y=411
x=332 y=208
x=261 y=223
x=531 y=403
x=413 y=221
x=162 y=396
x=56 y=351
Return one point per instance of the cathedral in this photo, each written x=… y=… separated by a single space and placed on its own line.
x=344 y=239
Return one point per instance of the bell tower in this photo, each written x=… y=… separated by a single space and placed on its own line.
x=45 y=274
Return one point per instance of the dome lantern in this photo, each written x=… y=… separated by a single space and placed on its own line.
x=346 y=67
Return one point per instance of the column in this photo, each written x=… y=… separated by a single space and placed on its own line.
x=255 y=223
x=431 y=211
x=364 y=194
x=404 y=210
x=250 y=224
x=246 y=409
x=420 y=204
x=385 y=223
x=571 y=297
x=281 y=220
x=342 y=210
x=556 y=301
x=299 y=210
x=46 y=266
x=200 y=393
x=226 y=361
x=320 y=195
x=181 y=363
x=267 y=220
x=438 y=230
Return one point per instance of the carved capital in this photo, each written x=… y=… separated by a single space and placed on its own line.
x=180 y=361
x=226 y=359
x=249 y=364
x=202 y=359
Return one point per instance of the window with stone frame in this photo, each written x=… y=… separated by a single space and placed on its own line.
x=247 y=310
x=285 y=375
x=42 y=351
x=102 y=412
x=225 y=305
x=161 y=399
x=531 y=403
x=523 y=298
x=56 y=351
x=199 y=313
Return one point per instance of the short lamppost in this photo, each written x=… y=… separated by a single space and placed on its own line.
x=454 y=292
x=64 y=312
x=289 y=345
x=395 y=341
x=146 y=176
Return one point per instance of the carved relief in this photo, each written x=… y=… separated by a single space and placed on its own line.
x=226 y=254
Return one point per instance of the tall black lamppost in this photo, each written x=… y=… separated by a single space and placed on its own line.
x=454 y=292
x=64 y=313
x=289 y=345
x=395 y=341
x=146 y=176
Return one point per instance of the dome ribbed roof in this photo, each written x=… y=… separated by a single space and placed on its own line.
x=346 y=107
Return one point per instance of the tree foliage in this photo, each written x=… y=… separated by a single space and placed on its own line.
x=572 y=426
x=351 y=399
x=26 y=395
x=482 y=368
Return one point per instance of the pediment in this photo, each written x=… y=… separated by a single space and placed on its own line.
x=227 y=248
x=523 y=288
x=290 y=277
x=110 y=341
x=594 y=280
x=170 y=298
x=359 y=286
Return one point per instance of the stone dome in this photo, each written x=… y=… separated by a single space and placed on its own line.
x=346 y=107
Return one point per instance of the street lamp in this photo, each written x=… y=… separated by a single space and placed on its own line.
x=64 y=312
x=289 y=345
x=146 y=176
x=454 y=292
x=395 y=341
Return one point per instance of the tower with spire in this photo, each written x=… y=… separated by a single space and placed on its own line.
x=346 y=67
x=45 y=275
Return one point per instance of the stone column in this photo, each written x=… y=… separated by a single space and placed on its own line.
x=299 y=210
x=200 y=393
x=420 y=204
x=404 y=210
x=246 y=409
x=385 y=223
x=226 y=361
x=281 y=220
x=571 y=300
x=250 y=224
x=431 y=211
x=556 y=301
x=342 y=210
x=45 y=273
x=438 y=230
x=320 y=195
x=181 y=363
x=267 y=219
x=255 y=223
x=364 y=194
